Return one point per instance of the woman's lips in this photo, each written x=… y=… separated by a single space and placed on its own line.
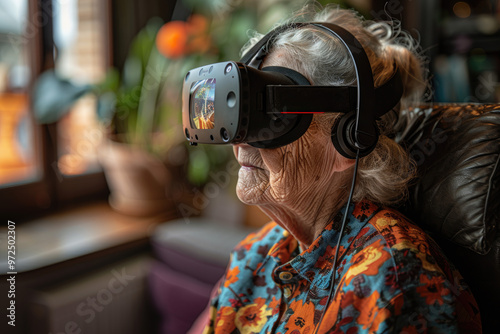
x=248 y=165
x=243 y=156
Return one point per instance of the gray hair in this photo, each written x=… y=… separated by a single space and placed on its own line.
x=384 y=174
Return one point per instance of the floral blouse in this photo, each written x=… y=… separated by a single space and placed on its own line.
x=390 y=278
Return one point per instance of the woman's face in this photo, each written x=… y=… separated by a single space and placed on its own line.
x=292 y=175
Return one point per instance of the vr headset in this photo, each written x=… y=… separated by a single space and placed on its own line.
x=240 y=102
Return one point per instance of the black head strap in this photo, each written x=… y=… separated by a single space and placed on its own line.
x=367 y=103
x=291 y=98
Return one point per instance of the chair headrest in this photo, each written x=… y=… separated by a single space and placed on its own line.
x=457 y=192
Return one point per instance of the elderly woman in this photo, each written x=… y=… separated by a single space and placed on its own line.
x=389 y=276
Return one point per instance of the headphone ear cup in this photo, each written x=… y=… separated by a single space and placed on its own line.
x=343 y=137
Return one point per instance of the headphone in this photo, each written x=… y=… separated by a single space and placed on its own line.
x=356 y=133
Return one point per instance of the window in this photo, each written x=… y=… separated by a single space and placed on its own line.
x=81 y=57
x=18 y=162
x=42 y=167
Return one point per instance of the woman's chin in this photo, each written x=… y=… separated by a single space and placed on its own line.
x=248 y=193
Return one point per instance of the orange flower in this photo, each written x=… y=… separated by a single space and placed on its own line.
x=367 y=261
x=302 y=319
x=371 y=316
x=433 y=289
x=252 y=317
x=199 y=40
x=198 y=24
x=199 y=44
x=231 y=276
x=410 y=330
x=426 y=264
x=398 y=305
x=274 y=305
x=332 y=310
x=386 y=221
x=225 y=320
x=172 y=38
x=178 y=38
x=258 y=236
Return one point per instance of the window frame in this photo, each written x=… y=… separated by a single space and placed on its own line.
x=51 y=190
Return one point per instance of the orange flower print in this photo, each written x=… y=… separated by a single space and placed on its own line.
x=370 y=316
x=251 y=318
x=212 y=315
x=302 y=319
x=274 y=305
x=231 y=276
x=225 y=320
x=420 y=247
x=432 y=289
x=363 y=209
x=340 y=301
x=384 y=221
x=367 y=261
x=411 y=330
x=253 y=238
x=426 y=264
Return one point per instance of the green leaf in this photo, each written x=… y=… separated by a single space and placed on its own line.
x=106 y=106
x=145 y=40
x=54 y=96
x=199 y=166
x=132 y=73
x=111 y=81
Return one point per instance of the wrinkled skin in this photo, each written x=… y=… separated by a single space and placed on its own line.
x=300 y=185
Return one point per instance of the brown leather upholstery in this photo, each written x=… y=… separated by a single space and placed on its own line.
x=456 y=196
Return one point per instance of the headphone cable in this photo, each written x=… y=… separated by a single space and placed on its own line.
x=344 y=220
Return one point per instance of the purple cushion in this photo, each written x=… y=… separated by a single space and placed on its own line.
x=199 y=249
x=182 y=263
x=191 y=258
x=178 y=298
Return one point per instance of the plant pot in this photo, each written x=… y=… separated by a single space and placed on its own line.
x=138 y=181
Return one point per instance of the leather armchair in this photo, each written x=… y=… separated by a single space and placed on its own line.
x=456 y=196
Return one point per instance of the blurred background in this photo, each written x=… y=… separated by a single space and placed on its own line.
x=120 y=226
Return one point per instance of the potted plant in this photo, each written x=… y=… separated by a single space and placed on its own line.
x=144 y=151
x=140 y=107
